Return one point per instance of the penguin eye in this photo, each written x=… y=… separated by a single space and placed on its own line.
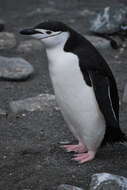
x=48 y=32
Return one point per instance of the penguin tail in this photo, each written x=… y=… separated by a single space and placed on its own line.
x=114 y=135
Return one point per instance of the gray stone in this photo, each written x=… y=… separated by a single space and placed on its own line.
x=15 y=68
x=98 y=42
x=125 y=94
x=7 y=40
x=68 y=187
x=29 y=45
x=42 y=102
x=86 y=12
x=64 y=142
x=2 y=112
x=106 y=181
x=109 y=20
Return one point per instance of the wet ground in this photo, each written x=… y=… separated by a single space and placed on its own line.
x=30 y=157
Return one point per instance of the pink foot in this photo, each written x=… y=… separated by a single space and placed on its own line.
x=75 y=148
x=84 y=157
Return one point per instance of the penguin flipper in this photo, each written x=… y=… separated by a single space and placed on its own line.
x=101 y=86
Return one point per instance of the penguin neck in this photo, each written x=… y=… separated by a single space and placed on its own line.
x=58 y=45
x=67 y=42
x=55 y=52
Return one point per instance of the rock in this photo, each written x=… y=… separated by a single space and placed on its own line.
x=29 y=45
x=7 y=40
x=108 y=181
x=68 y=187
x=15 y=68
x=86 y=12
x=2 y=25
x=42 y=102
x=98 y=42
x=125 y=94
x=64 y=142
x=3 y=112
x=109 y=20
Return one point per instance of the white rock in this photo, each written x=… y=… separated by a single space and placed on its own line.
x=86 y=12
x=68 y=187
x=2 y=112
x=7 y=40
x=29 y=45
x=14 y=68
x=108 y=181
x=42 y=102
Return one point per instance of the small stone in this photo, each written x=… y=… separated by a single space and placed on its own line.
x=108 y=181
x=68 y=187
x=15 y=68
x=116 y=56
x=2 y=25
x=64 y=142
x=3 y=112
x=24 y=115
x=125 y=94
x=121 y=50
x=42 y=102
x=118 y=41
x=38 y=167
x=86 y=12
x=29 y=45
x=109 y=20
x=7 y=40
x=4 y=157
x=98 y=42
x=124 y=45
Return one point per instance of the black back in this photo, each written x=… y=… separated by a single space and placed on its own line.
x=97 y=73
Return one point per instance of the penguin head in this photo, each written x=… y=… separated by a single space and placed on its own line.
x=51 y=33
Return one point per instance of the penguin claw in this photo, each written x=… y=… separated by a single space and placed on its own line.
x=84 y=157
x=75 y=148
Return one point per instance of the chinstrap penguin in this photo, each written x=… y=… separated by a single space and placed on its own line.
x=84 y=87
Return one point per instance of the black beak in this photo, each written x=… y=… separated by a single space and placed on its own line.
x=28 y=31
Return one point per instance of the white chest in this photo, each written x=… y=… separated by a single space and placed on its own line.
x=75 y=98
x=70 y=88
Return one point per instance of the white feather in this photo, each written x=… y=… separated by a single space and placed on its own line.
x=111 y=103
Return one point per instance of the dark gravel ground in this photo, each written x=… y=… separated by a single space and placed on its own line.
x=30 y=157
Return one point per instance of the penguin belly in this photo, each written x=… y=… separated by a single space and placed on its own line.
x=77 y=100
